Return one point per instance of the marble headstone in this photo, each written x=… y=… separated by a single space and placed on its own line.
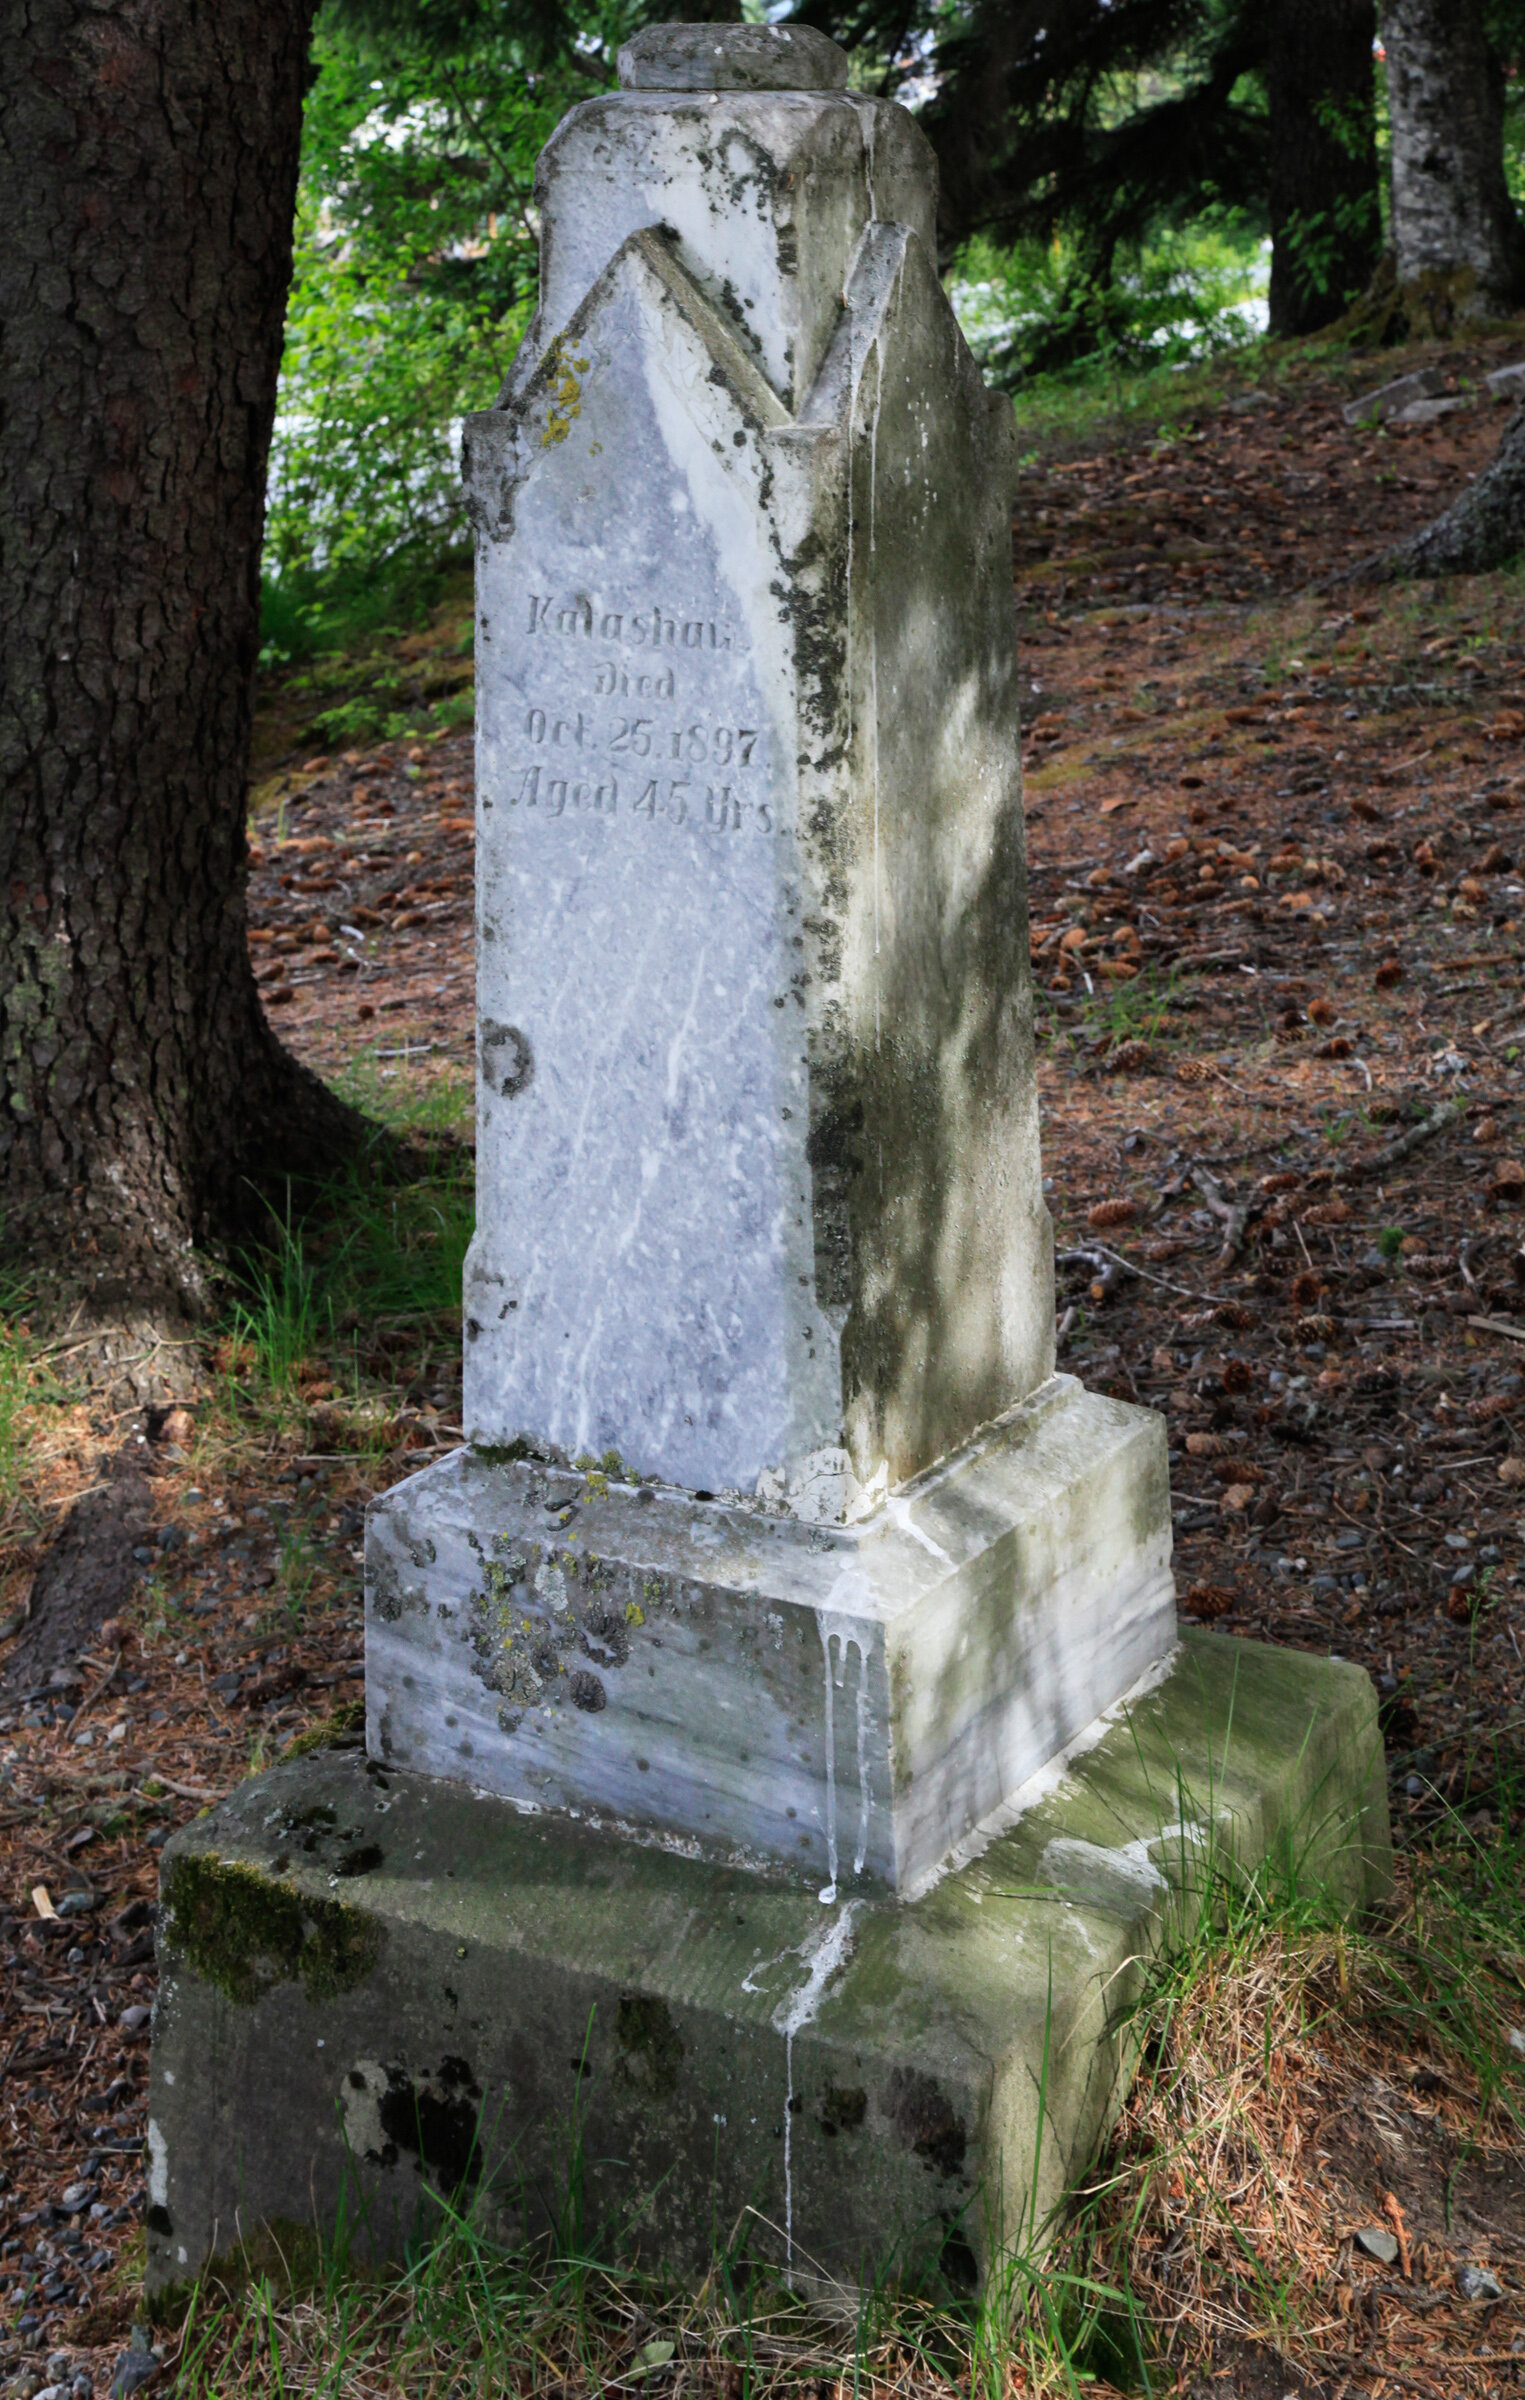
x=758 y=1146
x=759 y=1309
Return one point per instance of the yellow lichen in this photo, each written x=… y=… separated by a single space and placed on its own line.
x=565 y=394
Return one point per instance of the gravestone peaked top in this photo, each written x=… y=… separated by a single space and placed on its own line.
x=758 y=1180
x=776 y=1538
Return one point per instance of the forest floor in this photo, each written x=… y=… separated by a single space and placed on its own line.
x=1276 y=827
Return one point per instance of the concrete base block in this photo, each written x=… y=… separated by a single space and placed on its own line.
x=842 y=1701
x=376 y=1986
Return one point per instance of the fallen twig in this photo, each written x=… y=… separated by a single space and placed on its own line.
x=102 y=1683
x=1235 y=1216
x=182 y=1791
x=1360 y=1169
x=1511 y=1333
x=1096 y=1252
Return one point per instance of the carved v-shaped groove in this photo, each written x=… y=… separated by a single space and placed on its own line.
x=745 y=378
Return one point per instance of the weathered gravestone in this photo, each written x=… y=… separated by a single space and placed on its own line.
x=760 y=1214
x=779 y=1561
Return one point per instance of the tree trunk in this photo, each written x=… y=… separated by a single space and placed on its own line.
x=1325 y=221
x=1454 y=230
x=1482 y=530
x=148 y=162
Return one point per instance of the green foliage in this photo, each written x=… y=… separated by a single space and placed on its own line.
x=415 y=275
x=365 y=1255
x=1319 y=241
x=16 y=1363
x=278 y=1326
x=1186 y=295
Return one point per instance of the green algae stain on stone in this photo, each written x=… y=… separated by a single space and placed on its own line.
x=244 y=1934
x=650 y=2045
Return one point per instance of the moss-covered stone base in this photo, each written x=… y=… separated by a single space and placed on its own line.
x=376 y=1988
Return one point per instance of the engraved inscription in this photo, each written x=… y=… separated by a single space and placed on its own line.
x=650 y=628
x=652 y=757
x=675 y=799
x=612 y=681
x=691 y=745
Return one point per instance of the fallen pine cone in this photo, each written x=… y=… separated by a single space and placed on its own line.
x=1512 y=1469
x=1238 y=1375
x=1286 y=1181
x=1191 y=1070
x=1236 y=1497
x=1329 y=1212
x=1204 y=1445
x=270 y=1687
x=1389 y=973
x=1208 y=1600
x=1111 y=1212
x=1238 y=1470
x=1341 y=1047
x=1234 y=1315
x=1431 y=1264
x=1307 y=1288
x=1508 y=1181
x=1315 y=1329
x=1130 y=1058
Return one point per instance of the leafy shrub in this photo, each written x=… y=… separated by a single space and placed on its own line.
x=1187 y=295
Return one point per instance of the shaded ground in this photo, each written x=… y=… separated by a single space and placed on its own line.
x=1275 y=824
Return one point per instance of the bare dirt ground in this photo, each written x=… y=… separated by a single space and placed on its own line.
x=1277 y=851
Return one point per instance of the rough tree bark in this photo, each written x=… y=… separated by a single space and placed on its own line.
x=148 y=161
x=1325 y=223
x=1454 y=229
x=1483 y=529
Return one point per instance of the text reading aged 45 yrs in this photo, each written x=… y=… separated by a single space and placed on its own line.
x=672 y=798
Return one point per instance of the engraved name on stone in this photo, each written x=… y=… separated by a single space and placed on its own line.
x=653 y=629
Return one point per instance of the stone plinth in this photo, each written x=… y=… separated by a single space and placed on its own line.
x=376 y=1986
x=846 y=1701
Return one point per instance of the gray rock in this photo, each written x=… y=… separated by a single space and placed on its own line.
x=138 y=2365
x=1374 y=407
x=1478 y=2283
x=1427 y=412
x=133 y=2370
x=1508 y=382
x=1377 y=2243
